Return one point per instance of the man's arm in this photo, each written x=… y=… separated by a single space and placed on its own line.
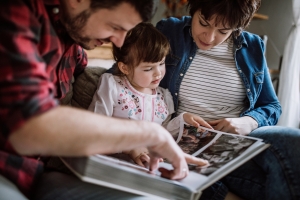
x=65 y=131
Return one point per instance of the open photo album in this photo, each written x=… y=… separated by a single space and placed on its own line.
x=225 y=152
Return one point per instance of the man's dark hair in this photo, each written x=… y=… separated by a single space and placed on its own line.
x=236 y=14
x=146 y=8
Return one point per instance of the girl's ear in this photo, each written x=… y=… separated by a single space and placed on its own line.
x=123 y=68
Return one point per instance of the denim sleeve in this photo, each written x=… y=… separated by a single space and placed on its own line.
x=264 y=106
x=267 y=109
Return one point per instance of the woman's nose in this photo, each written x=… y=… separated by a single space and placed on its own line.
x=209 y=36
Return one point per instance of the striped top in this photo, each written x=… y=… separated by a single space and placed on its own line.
x=212 y=87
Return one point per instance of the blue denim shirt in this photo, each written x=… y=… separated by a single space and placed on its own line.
x=261 y=103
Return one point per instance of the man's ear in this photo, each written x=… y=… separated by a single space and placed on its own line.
x=78 y=6
x=123 y=68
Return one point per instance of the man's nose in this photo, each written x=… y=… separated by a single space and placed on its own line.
x=119 y=38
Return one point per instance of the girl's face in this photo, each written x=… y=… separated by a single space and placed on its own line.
x=147 y=76
x=207 y=34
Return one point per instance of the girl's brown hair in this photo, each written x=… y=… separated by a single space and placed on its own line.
x=144 y=43
x=236 y=14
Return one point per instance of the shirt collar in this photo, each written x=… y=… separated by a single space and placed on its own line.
x=52 y=2
x=188 y=25
x=188 y=22
x=240 y=40
x=53 y=8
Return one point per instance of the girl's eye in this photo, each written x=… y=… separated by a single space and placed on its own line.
x=162 y=63
x=147 y=70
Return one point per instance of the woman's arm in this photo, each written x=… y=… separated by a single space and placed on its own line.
x=265 y=107
x=241 y=125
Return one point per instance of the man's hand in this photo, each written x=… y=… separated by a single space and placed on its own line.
x=190 y=160
x=242 y=125
x=166 y=147
x=195 y=120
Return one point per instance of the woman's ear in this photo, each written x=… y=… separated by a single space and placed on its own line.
x=123 y=68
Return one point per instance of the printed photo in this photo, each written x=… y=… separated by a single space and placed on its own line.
x=222 y=151
x=194 y=139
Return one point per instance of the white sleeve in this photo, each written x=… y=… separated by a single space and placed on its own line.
x=105 y=96
x=174 y=126
x=168 y=100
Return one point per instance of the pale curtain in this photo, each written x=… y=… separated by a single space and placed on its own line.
x=289 y=84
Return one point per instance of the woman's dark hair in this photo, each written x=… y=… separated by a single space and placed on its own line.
x=144 y=43
x=146 y=9
x=236 y=14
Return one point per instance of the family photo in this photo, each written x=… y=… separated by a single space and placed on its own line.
x=81 y=78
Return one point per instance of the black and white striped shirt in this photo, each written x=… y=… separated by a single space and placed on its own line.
x=212 y=87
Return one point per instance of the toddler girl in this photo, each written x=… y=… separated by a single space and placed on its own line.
x=132 y=90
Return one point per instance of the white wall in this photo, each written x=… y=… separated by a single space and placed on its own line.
x=159 y=13
x=277 y=28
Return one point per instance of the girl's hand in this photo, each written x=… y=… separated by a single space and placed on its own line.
x=141 y=157
x=195 y=120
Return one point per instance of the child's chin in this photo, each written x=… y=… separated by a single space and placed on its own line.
x=155 y=84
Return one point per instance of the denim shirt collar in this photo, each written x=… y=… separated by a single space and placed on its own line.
x=188 y=25
x=239 y=42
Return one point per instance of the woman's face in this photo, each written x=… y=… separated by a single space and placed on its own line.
x=207 y=34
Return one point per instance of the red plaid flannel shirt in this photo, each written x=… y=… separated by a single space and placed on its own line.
x=38 y=60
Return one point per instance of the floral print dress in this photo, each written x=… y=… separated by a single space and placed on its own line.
x=116 y=97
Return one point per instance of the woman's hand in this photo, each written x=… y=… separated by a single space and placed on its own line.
x=195 y=120
x=242 y=125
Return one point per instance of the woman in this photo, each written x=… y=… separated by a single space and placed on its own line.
x=218 y=71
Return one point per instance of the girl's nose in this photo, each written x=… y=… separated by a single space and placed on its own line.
x=157 y=73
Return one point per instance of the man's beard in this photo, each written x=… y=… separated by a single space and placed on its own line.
x=74 y=26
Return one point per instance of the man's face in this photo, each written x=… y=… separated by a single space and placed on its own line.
x=92 y=29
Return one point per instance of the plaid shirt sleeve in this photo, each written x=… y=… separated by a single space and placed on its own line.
x=26 y=88
x=36 y=69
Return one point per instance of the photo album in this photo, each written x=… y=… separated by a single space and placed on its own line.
x=225 y=152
